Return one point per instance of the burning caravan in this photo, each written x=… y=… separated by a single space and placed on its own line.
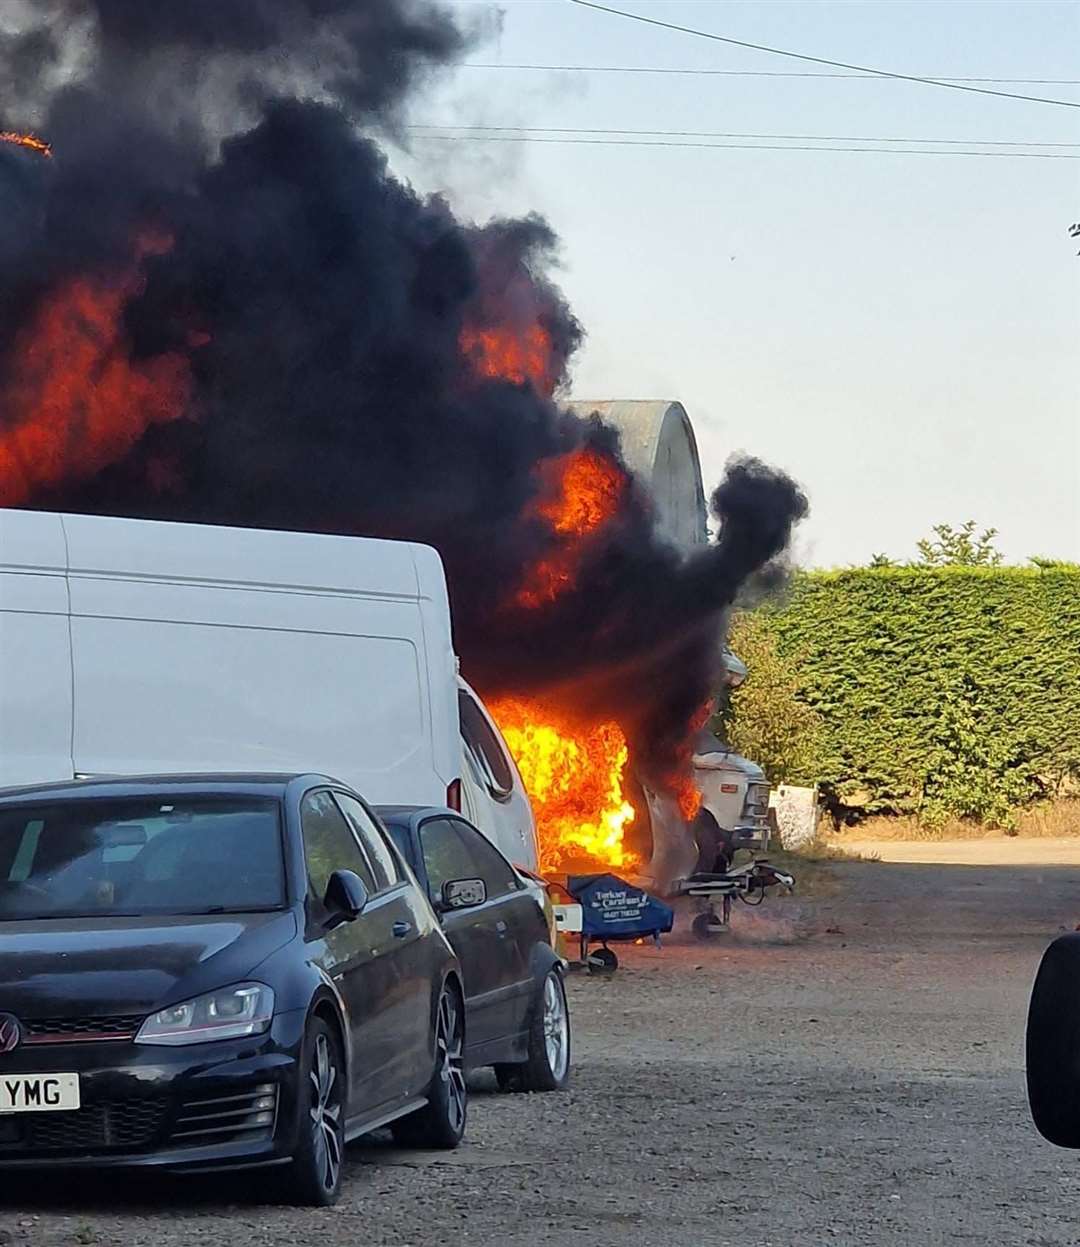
x=139 y=647
x=734 y=790
x=659 y=447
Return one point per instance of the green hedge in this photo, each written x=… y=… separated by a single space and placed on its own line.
x=950 y=691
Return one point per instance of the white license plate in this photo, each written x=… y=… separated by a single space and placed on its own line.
x=38 y=1093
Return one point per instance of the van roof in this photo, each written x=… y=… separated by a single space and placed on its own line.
x=208 y=554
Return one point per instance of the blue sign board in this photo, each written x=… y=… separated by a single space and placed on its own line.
x=613 y=909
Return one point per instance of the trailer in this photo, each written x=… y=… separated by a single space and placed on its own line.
x=748 y=883
x=614 y=911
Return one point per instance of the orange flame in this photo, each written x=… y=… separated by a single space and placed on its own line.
x=583 y=490
x=682 y=783
x=580 y=491
x=588 y=490
x=688 y=796
x=74 y=399
x=504 y=352
x=574 y=777
x=30 y=141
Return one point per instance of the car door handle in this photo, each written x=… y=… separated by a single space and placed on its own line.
x=401 y=929
x=500 y=926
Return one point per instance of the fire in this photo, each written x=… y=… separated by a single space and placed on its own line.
x=581 y=492
x=688 y=796
x=74 y=401
x=574 y=777
x=30 y=141
x=587 y=491
x=512 y=355
x=686 y=791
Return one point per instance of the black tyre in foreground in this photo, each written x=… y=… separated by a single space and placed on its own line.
x=1053 y=1044
x=315 y=1173
x=548 y=1064
x=441 y=1122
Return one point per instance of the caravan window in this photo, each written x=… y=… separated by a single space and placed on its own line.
x=486 y=749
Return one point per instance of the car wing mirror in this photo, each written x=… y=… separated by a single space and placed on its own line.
x=346 y=897
x=462 y=894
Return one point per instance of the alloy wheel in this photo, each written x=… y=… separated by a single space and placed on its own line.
x=326 y=1113
x=450 y=1045
x=556 y=1027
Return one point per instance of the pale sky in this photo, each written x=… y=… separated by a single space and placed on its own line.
x=899 y=332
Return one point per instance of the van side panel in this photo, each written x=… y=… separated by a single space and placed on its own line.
x=178 y=671
x=441 y=666
x=35 y=650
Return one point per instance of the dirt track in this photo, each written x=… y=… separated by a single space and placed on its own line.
x=983 y=851
x=862 y=1086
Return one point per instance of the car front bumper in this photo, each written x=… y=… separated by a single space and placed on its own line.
x=199 y=1107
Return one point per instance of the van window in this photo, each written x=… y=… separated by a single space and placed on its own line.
x=486 y=748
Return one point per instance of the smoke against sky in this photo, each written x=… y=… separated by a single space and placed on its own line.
x=219 y=305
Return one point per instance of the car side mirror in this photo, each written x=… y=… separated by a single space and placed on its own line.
x=346 y=897
x=462 y=894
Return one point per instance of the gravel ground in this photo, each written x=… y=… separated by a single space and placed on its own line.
x=847 y=1070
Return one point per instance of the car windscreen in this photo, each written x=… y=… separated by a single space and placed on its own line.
x=134 y=856
x=399 y=834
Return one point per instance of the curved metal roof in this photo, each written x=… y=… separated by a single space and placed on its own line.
x=648 y=428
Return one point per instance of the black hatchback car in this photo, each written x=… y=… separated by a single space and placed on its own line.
x=517 y=1018
x=199 y=972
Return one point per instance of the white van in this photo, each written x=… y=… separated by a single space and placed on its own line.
x=138 y=647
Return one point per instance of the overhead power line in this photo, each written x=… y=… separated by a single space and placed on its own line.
x=820 y=60
x=753 y=73
x=726 y=134
x=739 y=147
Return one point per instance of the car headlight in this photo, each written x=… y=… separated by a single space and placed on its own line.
x=231 y=1013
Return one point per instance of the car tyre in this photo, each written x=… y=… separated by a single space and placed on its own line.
x=548 y=1065
x=315 y=1172
x=441 y=1122
x=1053 y=1039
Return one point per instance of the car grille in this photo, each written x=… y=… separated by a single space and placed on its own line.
x=129 y=1125
x=231 y=1117
x=85 y=1029
x=147 y=1123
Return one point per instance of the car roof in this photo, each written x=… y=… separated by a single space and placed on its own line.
x=241 y=784
x=410 y=815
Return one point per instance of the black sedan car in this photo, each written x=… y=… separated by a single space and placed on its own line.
x=199 y=972
x=517 y=1018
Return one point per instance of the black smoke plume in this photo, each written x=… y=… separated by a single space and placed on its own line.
x=317 y=311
